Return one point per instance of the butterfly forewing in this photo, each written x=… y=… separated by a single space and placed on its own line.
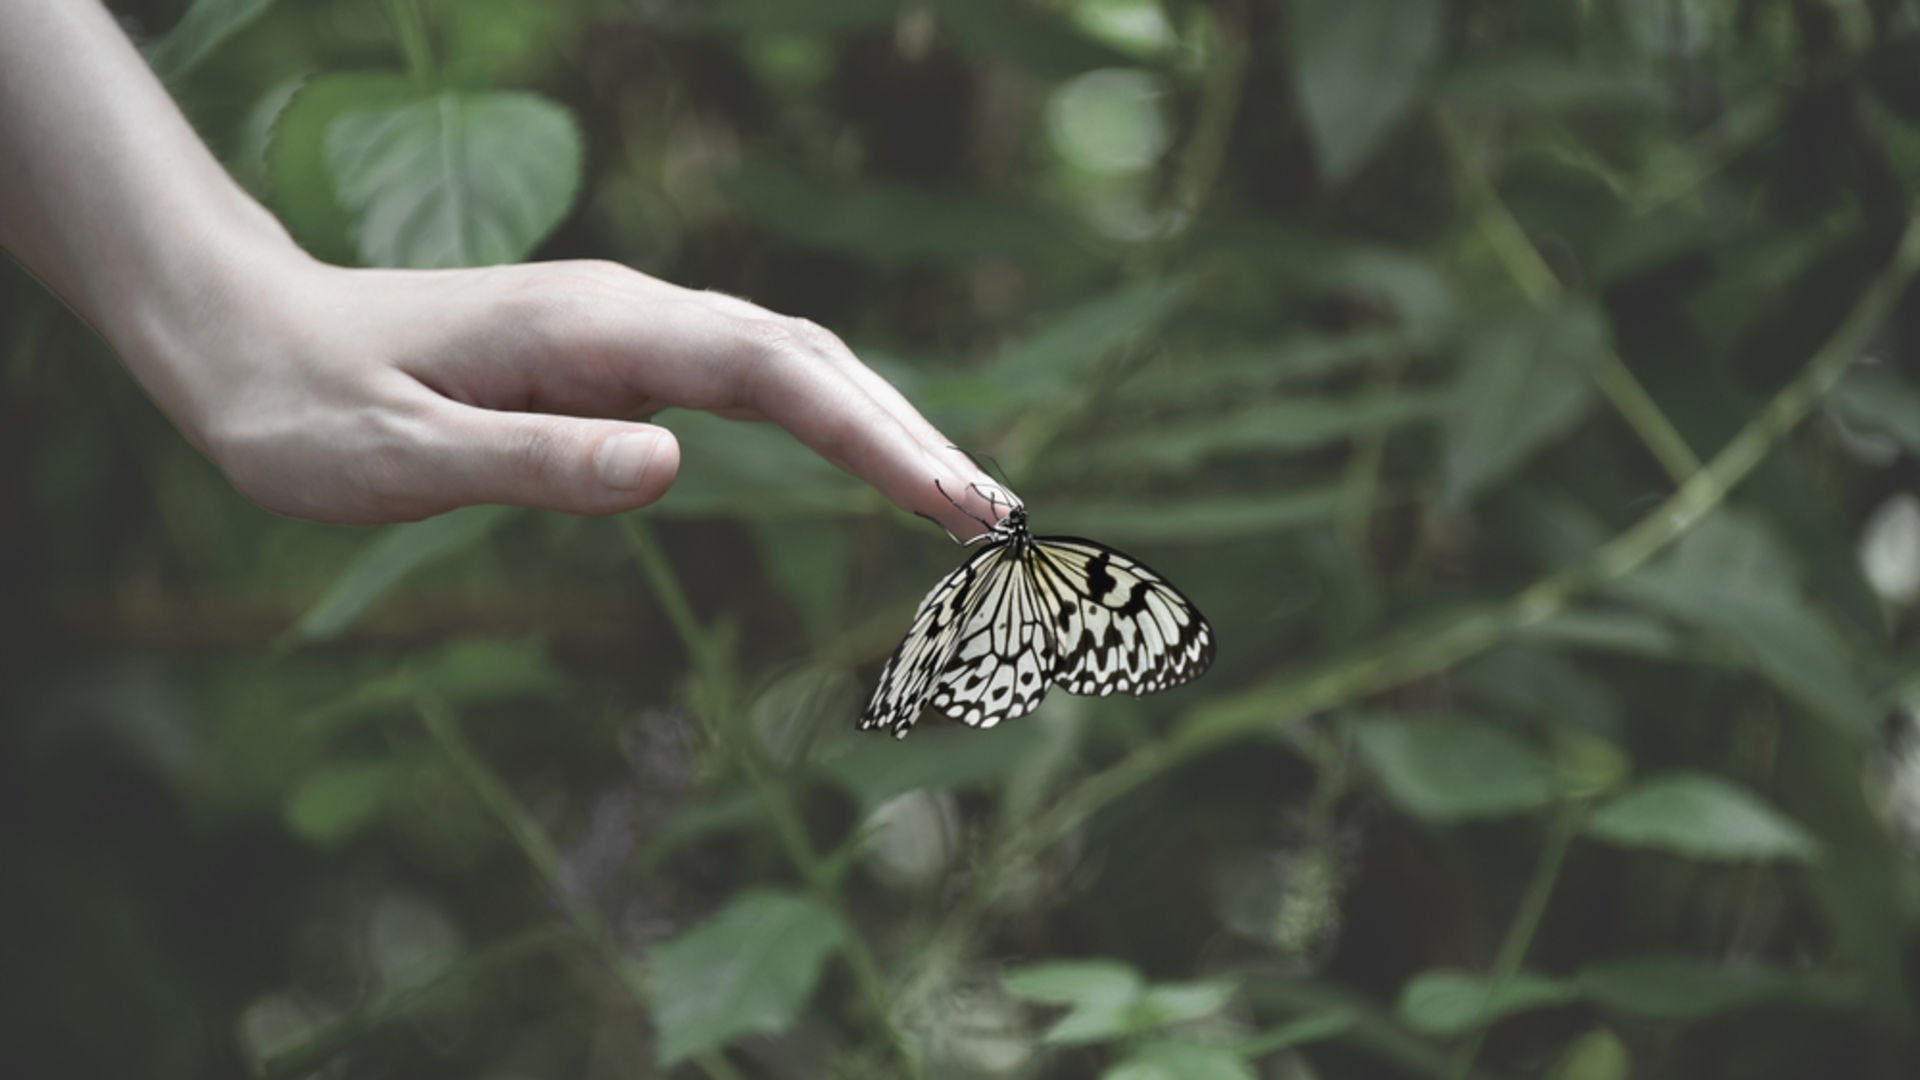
x=1120 y=626
x=930 y=644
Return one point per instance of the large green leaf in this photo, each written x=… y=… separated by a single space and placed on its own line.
x=398 y=552
x=1358 y=66
x=1730 y=578
x=1701 y=817
x=1449 y=769
x=301 y=191
x=1456 y=1002
x=201 y=30
x=1102 y=993
x=747 y=971
x=1679 y=988
x=454 y=179
x=1168 y=1060
x=1879 y=401
x=1525 y=383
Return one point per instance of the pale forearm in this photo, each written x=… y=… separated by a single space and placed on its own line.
x=109 y=196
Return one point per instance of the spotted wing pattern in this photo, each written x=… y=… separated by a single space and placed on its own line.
x=931 y=642
x=1004 y=662
x=1118 y=626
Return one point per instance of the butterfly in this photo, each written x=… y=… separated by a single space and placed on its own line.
x=1025 y=612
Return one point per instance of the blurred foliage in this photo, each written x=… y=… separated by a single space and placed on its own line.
x=1526 y=391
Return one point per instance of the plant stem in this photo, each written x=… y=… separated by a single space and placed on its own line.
x=1526 y=923
x=444 y=728
x=1266 y=709
x=1538 y=281
x=410 y=28
x=716 y=699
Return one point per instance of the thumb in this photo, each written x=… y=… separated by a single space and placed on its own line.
x=565 y=463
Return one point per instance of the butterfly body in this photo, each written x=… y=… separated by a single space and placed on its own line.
x=1028 y=612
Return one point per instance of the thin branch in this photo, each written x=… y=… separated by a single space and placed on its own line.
x=1526 y=922
x=1538 y=281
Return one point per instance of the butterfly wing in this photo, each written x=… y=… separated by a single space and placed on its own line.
x=930 y=644
x=1004 y=662
x=1117 y=624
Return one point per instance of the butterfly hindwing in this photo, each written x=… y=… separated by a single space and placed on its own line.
x=1118 y=625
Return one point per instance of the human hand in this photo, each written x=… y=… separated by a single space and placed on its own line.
x=386 y=395
x=362 y=396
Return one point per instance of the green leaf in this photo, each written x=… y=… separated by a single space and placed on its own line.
x=201 y=30
x=1544 y=686
x=1878 y=400
x=1167 y=1060
x=1701 y=817
x=1103 y=995
x=1406 y=283
x=1595 y=1055
x=1545 y=83
x=1075 y=982
x=335 y=803
x=893 y=224
x=1179 y=1003
x=454 y=179
x=399 y=551
x=1730 y=578
x=1067 y=351
x=1237 y=373
x=1358 y=66
x=296 y=156
x=1456 y=1002
x=1197 y=519
x=877 y=769
x=465 y=672
x=747 y=971
x=1608 y=630
x=1271 y=428
x=1679 y=988
x=1450 y=769
x=1525 y=383
x=1027 y=35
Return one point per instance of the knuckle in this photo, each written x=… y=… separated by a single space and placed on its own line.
x=552 y=298
x=774 y=355
x=822 y=339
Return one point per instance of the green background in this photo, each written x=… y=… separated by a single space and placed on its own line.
x=1526 y=392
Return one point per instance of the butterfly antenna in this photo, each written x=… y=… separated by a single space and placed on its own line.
x=960 y=508
x=981 y=461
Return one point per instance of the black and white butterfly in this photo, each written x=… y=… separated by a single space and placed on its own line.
x=1025 y=612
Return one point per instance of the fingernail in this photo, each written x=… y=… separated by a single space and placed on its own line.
x=623 y=459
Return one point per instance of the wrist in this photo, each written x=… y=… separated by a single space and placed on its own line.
x=202 y=308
